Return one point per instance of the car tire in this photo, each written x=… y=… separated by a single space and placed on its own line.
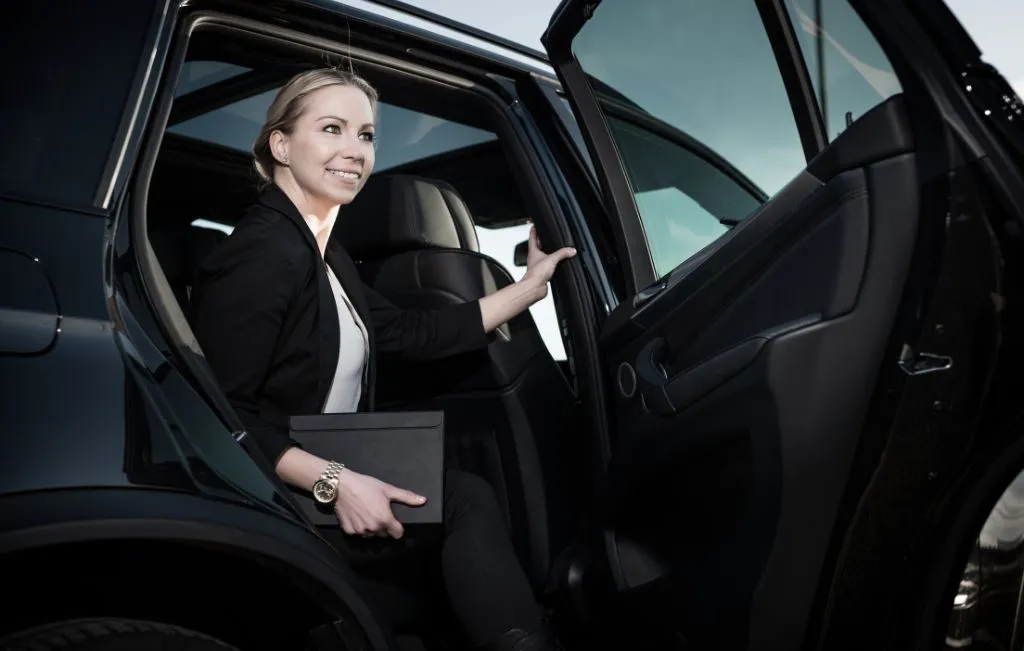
x=109 y=634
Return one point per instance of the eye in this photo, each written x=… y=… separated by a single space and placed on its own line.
x=333 y=128
x=368 y=136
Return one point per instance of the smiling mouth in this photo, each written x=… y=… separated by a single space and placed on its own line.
x=355 y=176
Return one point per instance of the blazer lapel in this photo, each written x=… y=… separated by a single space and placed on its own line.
x=347 y=273
x=348 y=276
x=330 y=331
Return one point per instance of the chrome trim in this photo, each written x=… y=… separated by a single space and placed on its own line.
x=140 y=93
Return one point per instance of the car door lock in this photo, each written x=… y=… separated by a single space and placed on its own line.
x=914 y=363
x=645 y=295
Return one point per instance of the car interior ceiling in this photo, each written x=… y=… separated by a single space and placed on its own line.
x=510 y=411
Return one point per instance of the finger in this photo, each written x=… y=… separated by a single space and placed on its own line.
x=563 y=254
x=395 y=528
x=405 y=497
x=346 y=525
x=360 y=525
x=534 y=238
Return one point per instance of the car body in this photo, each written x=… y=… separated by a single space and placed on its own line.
x=787 y=431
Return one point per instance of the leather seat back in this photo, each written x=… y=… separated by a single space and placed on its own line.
x=180 y=250
x=415 y=242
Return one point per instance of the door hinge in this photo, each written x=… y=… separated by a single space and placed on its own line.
x=922 y=363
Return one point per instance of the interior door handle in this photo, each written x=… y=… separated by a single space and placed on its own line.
x=666 y=396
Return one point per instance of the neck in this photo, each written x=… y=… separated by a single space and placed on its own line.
x=318 y=214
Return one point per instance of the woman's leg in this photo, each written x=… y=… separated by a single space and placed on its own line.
x=486 y=585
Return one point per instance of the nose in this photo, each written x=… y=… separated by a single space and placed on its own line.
x=351 y=148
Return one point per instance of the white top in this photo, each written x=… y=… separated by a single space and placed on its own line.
x=353 y=354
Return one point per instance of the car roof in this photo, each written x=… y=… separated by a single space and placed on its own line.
x=396 y=14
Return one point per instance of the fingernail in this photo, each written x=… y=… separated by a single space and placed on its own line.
x=420 y=498
x=573 y=251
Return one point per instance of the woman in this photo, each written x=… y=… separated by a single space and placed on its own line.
x=287 y=334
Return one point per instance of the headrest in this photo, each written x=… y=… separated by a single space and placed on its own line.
x=399 y=212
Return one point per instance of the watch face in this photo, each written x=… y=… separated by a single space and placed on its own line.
x=324 y=492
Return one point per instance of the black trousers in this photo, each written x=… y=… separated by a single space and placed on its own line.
x=474 y=561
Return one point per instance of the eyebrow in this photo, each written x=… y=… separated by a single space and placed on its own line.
x=345 y=122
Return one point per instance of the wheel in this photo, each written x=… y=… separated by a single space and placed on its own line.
x=109 y=634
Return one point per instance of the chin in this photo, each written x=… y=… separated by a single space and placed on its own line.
x=341 y=197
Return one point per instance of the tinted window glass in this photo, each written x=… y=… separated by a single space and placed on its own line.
x=66 y=71
x=854 y=74
x=199 y=74
x=707 y=99
x=685 y=200
x=402 y=135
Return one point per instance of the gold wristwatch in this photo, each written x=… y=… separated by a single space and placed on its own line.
x=325 y=490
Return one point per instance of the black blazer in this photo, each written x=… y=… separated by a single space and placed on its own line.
x=264 y=314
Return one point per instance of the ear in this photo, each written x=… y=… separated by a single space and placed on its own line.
x=279 y=147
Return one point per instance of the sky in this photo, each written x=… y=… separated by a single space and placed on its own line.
x=994 y=24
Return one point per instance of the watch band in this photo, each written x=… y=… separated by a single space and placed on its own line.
x=332 y=471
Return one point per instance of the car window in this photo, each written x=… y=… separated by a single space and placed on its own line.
x=686 y=196
x=403 y=136
x=200 y=74
x=852 y=75
x=693 y=96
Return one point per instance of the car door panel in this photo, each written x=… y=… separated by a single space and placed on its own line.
x=758 y=386
x=752 y=379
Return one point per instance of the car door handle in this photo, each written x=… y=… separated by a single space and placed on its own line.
x=667 y=395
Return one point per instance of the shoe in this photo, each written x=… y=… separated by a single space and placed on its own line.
x=517 y=639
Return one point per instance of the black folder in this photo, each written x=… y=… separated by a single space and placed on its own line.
x=405 y=449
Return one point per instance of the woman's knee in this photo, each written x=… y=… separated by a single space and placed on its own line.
x=469 y=495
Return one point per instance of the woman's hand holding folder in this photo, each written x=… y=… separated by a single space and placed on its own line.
x=364 y=505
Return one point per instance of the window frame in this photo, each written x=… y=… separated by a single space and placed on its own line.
x=514 y=140
x=638 y=263
x=142 y=97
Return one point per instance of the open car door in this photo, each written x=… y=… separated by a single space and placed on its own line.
x=818 y=207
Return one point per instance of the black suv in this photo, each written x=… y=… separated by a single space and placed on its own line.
x=779 y=408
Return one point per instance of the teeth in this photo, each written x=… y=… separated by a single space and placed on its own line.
x=346 y=175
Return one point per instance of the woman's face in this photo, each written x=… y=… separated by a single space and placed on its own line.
x=330 y=150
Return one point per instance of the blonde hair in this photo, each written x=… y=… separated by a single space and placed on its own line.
x=289 y=103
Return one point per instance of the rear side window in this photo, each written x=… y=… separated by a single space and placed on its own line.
x=66 y=70
x=699 y=112
x=849 y=70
